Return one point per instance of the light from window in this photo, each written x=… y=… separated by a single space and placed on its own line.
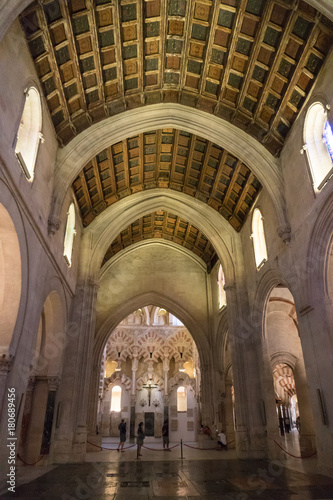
x=328 y=138
x=222 y=294
x=69 y=235
x=181 y=399
x=259 y=242
x=116 y=398
x=175 y=321
x=29 y=132
x=318 y=145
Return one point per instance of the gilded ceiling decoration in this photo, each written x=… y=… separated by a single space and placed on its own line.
x=169 y=227
x=251 y=62
x=167 y=158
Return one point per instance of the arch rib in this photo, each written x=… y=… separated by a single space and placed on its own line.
x=79 y=151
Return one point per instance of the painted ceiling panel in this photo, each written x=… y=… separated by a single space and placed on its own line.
x=251 y=62
x=167 y=158
x=169 y=227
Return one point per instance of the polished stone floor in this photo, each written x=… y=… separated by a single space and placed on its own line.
x=200 y=474
x=205 y=479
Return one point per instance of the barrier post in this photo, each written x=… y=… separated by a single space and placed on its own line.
x=181 y=449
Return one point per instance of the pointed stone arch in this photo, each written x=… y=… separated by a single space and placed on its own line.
x=114 y=219
x=73 y=157
x=157 y=299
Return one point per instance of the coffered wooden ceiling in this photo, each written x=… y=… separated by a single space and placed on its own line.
x=251 y=62
x=167 y=158
x=168 y=226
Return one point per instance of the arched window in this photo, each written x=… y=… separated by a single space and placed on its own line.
x=318 y=145
x=69 y=235
x=29 y=132
x=181 y=399
x=222 y=294
x=259 y=242
x=116 y=398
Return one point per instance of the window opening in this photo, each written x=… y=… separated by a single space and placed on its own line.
x=221 y=283
x=69 y=235
x=116 y=398
x=258 y=236
x=181 y=399
x=29 y=133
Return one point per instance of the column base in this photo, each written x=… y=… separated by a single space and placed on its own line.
x=94 y=441
x=255 y=448
x=71 y=451
x=231 y=440
x=307 y=444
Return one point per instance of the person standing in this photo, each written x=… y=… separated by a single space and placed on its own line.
x=287 y=424
x=165 y=434
x=122 y=431
x=139 y=439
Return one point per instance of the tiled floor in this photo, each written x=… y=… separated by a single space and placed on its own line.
x=201 y=474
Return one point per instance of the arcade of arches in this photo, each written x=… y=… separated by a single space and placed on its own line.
x=166 y=224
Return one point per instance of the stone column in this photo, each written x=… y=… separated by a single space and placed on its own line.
x=315 y=330
x=229 y=415
x=207 y=396
x=166 y=367
x=33 y=441
x=307 y=439
x=135 y=364
x=251 y=441
x=71 y=436
x=132 y=417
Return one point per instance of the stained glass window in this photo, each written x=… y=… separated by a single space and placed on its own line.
x=328 y=138
x=318 y=139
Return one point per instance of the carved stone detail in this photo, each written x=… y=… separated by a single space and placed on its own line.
x=6 y=361
x=53 y=383
x=284 y=233
x=54 y=224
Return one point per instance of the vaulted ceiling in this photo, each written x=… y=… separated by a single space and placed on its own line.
x=167 y=158
x=169 y=227
x=251 y=62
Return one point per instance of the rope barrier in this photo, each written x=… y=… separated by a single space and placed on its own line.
x=153 y=449
x=215 y=448
x=294 y=456
x=159 y=449
x=26 y=463
x=196 y=447
x=109 y=449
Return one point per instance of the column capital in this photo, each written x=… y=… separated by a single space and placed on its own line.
x=31 y=384
x=166 y=364
x=6 y=361
x=53 y=383
x=135 y=364
x=166 y=400
x=53 y=225
x=284 y=233
x=133 y=400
